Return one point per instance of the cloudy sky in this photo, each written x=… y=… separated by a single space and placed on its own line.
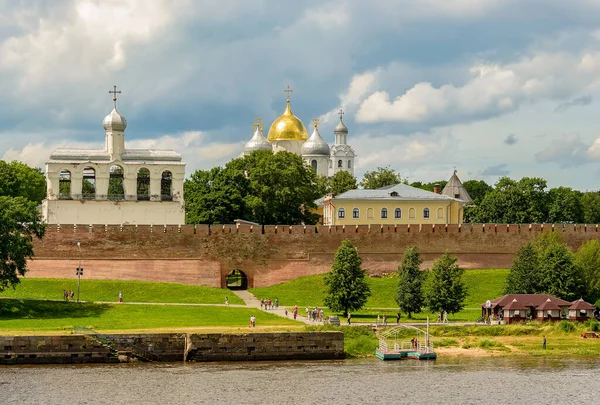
x=491 y=87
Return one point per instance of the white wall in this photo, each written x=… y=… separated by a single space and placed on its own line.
x=113 y=212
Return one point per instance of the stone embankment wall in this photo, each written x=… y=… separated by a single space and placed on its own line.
x=166 y=347
x=269 y=255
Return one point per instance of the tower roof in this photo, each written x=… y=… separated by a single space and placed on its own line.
x=315 y=145
x=455 y=189
x=287 y=127
x=257 y=142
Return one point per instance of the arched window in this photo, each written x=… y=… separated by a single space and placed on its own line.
x=412 y=213
x=340 y=163
x=426 y=213
x=331 y=164
x=88 y=184
x=370 y=212
x=341 y=213
x=349 y=164
x=64 y=185
x=355 y=213
x=166 y=186
x=313 y=163
x=384 y=213
x=398 y=213
x=143 y=184
x=440 y=213
x=116 y=190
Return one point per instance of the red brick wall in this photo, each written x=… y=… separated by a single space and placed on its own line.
x=199 y=255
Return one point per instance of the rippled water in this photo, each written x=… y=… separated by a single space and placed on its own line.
x=455 y=381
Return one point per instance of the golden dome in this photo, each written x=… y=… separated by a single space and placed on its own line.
x=287 y=127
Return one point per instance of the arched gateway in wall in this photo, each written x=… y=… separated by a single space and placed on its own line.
x=236 y=280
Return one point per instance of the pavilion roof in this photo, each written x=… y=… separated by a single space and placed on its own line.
x=581 y=304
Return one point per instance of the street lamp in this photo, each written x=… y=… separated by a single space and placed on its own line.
x=79 y=271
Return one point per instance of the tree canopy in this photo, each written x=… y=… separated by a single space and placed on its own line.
x=382 y=177
x=346 y=286
x=341 y=182
x=587 y=259
x=264 y=187
x=523 y=277
x=19 y=180
x=444 y=289
x=20 y=222
x=409 y=293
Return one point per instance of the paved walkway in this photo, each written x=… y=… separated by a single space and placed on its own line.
x=253 y=302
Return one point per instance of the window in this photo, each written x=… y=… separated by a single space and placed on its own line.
x=341 y=213
x=412 y=213
x=88 y=185
x=339 y=163
x=349 y=164
x=384 y=213
x=398 y=213
x=370 y=213
x=440 y=213
x=426 y=213
x=394 y=194
x=355 y=213
x=330 y=164
x=64 y=185
x=166 y=183
x=116 y=191
x=313 y=163
x=143 y=184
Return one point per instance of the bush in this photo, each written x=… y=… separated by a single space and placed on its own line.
x=565 y=326
x=445 y=342
x=592 y=325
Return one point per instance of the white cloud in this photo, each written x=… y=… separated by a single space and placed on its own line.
x=358 y=88
x=491 y=90
x=567 y=151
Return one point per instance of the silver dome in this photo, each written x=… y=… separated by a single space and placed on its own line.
x=114 y=121
x=257 y=142
x=315 y=145
x=341 y=127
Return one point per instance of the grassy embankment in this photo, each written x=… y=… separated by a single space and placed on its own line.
x=562 y=339
x=108 y=291
x=309 y=292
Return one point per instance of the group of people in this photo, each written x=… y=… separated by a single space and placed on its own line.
x=444 y=319
x=315 y=315
x=414 y=343
x=294 y=312
x=68 y=295
x=268 y=304
x=382 y=320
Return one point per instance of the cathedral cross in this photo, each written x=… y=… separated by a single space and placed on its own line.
x=316 y=122
x=288 y=91
x=114 y=92
x=340 y=113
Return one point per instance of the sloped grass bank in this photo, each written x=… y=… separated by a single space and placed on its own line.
x=108 y=290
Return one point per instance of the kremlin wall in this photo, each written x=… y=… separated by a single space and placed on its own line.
x=205 y=255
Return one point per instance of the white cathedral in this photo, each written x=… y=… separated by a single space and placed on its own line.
x=289 y=133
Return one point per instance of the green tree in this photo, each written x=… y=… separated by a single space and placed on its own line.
x=18 y=179
x=477 y=190
x=560 y=276
x=341 y=182
x=587 y=260
x=346 y=286
x=430 y=186
x=516 y=202
x=590 y=202
x=116 y=189
x=20 y=222
x=444 y=289
x=524 y=276
x=564 y=205
x=215 y=196
x=382 y=177
x=409 y=293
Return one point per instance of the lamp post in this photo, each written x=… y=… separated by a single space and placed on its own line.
x=79 y=271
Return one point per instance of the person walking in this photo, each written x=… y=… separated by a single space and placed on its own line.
x=226 y=300
x=252 y=321
x=65 y=295
x=377 y=320
x=120 y=296
x=398 y=318
x=544 y=343
x=349 y=317
x=276 y=302
x=385 y=319
x=445 y=317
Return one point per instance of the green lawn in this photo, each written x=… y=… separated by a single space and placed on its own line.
x=482 y=284
x=29 y=315
x=108 y=290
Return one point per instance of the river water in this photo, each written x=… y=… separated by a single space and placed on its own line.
x=444 y=381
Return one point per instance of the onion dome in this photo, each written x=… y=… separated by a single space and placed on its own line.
x=287 y=127
x=257 y=142
x=341 y=127
x=114 y=121
x=315 y=145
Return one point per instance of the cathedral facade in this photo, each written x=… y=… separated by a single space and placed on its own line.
x=289 y=133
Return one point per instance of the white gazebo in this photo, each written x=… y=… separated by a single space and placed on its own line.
x=114 y=185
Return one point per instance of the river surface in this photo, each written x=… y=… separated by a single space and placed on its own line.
x=528 y=381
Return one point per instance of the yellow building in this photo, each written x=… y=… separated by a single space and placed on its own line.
x=398 y=204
